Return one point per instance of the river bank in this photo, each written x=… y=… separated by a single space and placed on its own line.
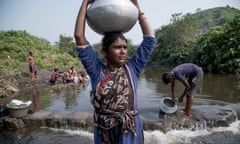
x=10 y=84
x=64 y=114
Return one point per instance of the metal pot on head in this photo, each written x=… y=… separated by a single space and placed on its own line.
x=111 y=15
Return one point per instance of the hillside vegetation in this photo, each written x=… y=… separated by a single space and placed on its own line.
x=15 y=45
x=209 y=38
x=214 y=17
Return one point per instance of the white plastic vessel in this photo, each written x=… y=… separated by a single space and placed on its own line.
x=167 y=105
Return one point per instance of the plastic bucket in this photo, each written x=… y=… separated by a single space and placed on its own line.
x=18 y=112
x=167 y=105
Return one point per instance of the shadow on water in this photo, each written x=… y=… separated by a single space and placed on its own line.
x=217 y=90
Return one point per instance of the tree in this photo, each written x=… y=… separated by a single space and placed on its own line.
x=218 y=51
x=66 y=44
x=173 y=41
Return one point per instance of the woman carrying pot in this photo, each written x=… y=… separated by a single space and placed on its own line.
x=116 y=117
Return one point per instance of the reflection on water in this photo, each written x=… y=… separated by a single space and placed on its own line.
x=35 y=98
x=215 y=86
x=217 y=89
x=58 y=97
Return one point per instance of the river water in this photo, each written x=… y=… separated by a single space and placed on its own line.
x=217 y=90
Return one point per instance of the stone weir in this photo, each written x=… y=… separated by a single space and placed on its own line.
x=203 y=117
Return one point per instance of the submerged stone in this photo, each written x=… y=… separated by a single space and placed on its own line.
x=203 y=117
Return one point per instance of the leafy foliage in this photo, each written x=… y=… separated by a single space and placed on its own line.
x=219 y=49
x=174 y=40
x=14 y=48
x=209 y=38
x=213 y=17
x=66 y=44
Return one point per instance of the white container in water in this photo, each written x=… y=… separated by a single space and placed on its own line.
x=167 y=105
x=111 y=15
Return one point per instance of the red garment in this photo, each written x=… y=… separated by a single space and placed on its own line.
x=54 y=76
x=31 y=62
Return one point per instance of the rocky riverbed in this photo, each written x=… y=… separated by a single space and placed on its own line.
x=10 y=84
x=203 y=116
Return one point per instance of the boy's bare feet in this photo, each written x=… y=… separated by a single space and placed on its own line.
x=186 y=116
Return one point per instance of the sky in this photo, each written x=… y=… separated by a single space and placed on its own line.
x=49 y=19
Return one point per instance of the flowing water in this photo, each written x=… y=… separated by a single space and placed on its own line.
x=217 y=90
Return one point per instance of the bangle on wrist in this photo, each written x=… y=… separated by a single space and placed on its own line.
x=141 y=17
x=140 y=14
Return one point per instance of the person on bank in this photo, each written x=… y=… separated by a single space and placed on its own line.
x=113 y=95
x=32 y=66
x=191 y=76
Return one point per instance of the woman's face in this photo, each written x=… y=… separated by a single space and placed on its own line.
x=117 y=53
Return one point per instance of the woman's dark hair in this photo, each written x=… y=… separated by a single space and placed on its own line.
x=109 y=38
